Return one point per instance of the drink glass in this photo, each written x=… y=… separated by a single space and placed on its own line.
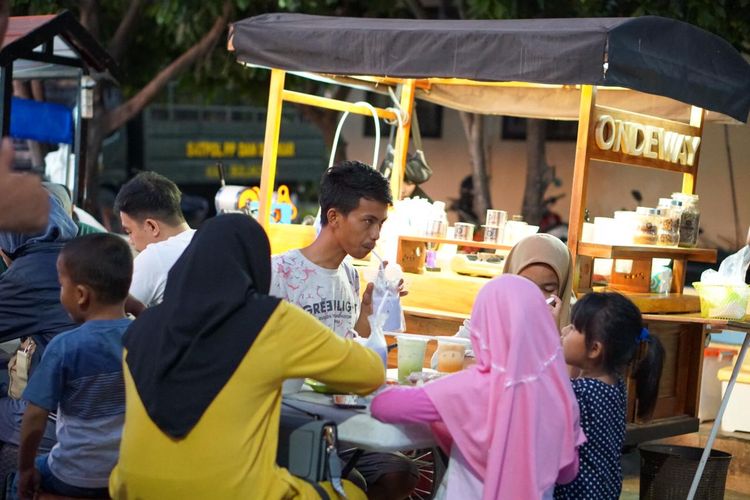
x=450 y=356
x=410 y=356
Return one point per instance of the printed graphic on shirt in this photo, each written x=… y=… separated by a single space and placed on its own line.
x=331 y=295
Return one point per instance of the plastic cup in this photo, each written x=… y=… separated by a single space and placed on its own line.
x=464 y=231
x=496 y=217
x=450 y=356
x=493 y=234
x=410 y=356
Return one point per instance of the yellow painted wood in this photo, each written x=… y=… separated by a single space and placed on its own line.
x=271 y=145
x=335 y=104
x=697 y=119
x=581 y=171
x=402 y=138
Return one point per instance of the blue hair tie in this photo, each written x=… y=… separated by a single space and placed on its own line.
x=644 y=336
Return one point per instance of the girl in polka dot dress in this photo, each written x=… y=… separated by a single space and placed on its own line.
x=605 y=335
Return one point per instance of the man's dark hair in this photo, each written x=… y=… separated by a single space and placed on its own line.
x=101 y=261
x=346 y=182
x=149 y=195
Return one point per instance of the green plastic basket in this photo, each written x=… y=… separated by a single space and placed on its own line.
x=723 y=301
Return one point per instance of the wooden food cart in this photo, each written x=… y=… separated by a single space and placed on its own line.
x=652 y=72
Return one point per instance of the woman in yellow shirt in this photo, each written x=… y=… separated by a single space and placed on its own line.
x=204 y=369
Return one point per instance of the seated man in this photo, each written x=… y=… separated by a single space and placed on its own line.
x=80 y=376
x=149 y=206
x=354 y=201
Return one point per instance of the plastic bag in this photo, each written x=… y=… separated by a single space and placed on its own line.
x=731 y=271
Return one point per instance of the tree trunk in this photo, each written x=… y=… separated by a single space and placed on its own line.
x=478 y=151
x=537 y=171
x=105 y=122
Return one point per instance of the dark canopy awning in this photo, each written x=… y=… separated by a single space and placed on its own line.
x=649 y=54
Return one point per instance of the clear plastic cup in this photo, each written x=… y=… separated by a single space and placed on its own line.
x=410 y=356
x=450 y=356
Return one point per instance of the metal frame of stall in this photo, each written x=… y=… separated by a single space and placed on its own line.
x=64 y=49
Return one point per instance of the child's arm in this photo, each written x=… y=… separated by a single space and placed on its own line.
x=404 y=405
x=32 y=430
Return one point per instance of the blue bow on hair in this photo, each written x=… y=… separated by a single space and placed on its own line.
x=644 y=336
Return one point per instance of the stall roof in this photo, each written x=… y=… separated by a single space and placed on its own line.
x=651 y=55
x=52 y=46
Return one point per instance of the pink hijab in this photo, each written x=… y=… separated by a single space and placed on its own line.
x=513 y=415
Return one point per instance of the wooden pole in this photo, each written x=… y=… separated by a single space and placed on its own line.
x=581 y=168
x=271 y=146
x=402 y=138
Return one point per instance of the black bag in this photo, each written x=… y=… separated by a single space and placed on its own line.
x=307 y=448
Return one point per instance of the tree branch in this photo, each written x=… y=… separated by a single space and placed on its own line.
x=121 y=114
x=89 y=17
x=122 y=36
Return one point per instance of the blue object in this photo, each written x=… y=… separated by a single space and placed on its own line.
x=644 y=336
x=41 y=121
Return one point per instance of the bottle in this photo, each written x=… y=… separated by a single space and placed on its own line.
x=647 y=221
x=669 y=227
x=689 y=219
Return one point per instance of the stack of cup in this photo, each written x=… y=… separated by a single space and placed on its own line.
x=494 y=225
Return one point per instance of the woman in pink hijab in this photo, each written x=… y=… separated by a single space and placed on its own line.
x=512 y=418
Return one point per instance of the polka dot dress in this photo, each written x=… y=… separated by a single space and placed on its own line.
x=603 y=409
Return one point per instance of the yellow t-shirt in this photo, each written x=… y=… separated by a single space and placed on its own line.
x=231 y=452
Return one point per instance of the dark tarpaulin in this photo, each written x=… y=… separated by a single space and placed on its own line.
x=649 y=54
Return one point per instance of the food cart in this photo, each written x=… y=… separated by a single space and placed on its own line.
x=661 y=75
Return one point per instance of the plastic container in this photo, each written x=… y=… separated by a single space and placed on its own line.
x=723 y=301
x=689 y=219
x=735 y=416
x=647 y=226
x=667 y=472
x=713 y=360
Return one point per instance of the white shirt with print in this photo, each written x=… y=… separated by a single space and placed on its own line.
x=331 y=295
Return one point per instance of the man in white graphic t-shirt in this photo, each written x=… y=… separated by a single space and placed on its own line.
x=354 y=202
x=149 y=207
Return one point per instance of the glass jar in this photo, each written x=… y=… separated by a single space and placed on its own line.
x=668 y=233
x=647 y=226
x=689 y=219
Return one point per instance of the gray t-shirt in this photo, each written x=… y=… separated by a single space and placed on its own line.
x=331 y=295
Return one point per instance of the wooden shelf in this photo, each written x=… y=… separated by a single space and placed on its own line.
x=461 y=243
x=634 y=252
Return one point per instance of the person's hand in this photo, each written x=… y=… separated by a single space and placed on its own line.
x=365 y=310
x=402 y=291
x=556 y=307
x=28 y=483
x=24 y=203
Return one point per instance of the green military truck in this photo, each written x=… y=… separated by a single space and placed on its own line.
x=185 y=143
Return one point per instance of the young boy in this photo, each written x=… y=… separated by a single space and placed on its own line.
x=80 y=375
x=354 y=201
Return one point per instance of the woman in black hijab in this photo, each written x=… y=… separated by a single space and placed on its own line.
x=203 y=374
